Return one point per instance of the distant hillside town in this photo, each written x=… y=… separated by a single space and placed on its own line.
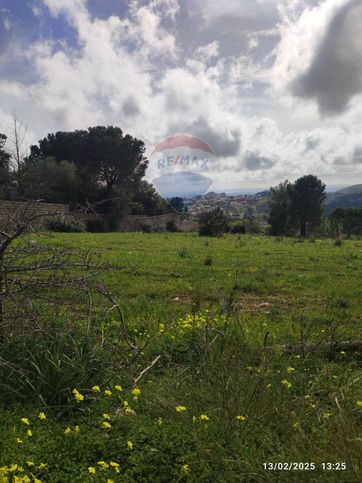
x=237 y=207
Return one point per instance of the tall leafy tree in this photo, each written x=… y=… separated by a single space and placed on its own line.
x=279 y=205
x=307 y=197
x=4 y=168
x=117 y=159
x=48 y=180
x=104 y=159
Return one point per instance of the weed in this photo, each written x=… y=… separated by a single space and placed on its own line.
x=208 y=260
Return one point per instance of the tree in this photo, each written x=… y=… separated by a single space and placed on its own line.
x=18 y=142
x=4 y=168
x=103 y=157
x=213 y=223
x=49 y=181
x=119 y=160
x=146 y=201
x=279 y=205
x=347 y=221
x=307 y=197
x=178 y=204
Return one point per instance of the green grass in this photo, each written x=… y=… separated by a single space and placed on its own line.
x=209 y=322
x=161 y=275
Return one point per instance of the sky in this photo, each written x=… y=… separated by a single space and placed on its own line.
x=274 y=86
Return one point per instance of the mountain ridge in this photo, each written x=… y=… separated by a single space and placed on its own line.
x=350 y=197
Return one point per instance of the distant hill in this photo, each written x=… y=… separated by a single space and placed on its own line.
x=350 y=197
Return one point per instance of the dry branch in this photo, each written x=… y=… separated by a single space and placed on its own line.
x=32 y=272
x=147 y=369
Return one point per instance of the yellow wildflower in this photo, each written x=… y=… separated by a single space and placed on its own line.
x=129 y=445
x=42 y=416
x=67 y=430
x=268 y=386
x=76 y=429
x=327 y=415
x=25 y=421
x=161 y=328
x=19 y=441
x=118 y=388
x=78 y=396
x=30 y=463
x=290 y=369
x=114 y=464
x=103 y=465
x=136 y=392
x=185 y=469
x=286 y=383
x=91 y=470
x=96 y=389
x=240 y=418
x=359 y=404
x=29 y=433
x=181 y=409
x=110 y=481
x=107 y=392
x=204 y=417
x=106 y=425
x=42 y=466
x=106 y=416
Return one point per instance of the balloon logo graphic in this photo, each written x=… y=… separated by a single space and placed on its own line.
x=181 y=164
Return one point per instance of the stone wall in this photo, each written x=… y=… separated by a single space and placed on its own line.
x=11 y=211
x=157 y=223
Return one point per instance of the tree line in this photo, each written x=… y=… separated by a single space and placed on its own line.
x=100 y=164
x=297 y=208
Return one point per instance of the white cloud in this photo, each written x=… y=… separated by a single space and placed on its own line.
x=135 y=72
x=319 y=56
x=74 y=9
x=156 y=39
x=36 y=10
x=208 y=52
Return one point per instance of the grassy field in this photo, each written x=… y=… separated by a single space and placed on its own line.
x=223 y=399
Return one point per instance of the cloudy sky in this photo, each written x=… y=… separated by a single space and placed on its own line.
x=275 y=86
